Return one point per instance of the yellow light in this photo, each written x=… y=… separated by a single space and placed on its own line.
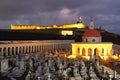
x=65 y=32
x=86 y=57
x=104 y=57
x=71 y=57
x=115 y=57
x=38 y=27
x=80 y=25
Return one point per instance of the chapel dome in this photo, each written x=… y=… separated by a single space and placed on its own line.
x=92 y=33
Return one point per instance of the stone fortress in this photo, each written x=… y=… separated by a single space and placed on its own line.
x=78 y=25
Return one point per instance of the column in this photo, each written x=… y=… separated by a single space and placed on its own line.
x=92 y=51
x=80 y=50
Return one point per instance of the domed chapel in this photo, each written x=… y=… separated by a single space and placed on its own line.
x=92 y=44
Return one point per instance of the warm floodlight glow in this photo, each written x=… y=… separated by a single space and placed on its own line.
x=115 y=57
x=38 y=27
x=86 y=57
x=104 y=57
x=87 y=49
x=78 y=25
x=71 y=57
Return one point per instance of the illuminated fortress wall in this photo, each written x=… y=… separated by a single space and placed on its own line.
x=22 y=27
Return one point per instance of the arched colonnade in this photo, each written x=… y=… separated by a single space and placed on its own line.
x=15 y=48
x=88 y=49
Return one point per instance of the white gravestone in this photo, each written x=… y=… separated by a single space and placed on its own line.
x=4 y=65
x=22 y=64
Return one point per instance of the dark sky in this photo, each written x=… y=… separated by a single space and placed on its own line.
x=105 y=13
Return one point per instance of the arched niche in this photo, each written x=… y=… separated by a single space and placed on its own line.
x=96 y=52
x=89 y=51
x=8 y=51
x=83 y=52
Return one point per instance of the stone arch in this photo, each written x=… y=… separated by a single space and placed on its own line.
x=4 y=52
x=39 y=47
x=102 y=54
x=29 y=49
x=83 y=52
x=78 y=50
x=35 y=48
x=96 y=52
x=89 y=51
x=23 y=49
x=20 y=50
x=108 y=52
x=12 y=50
x=32 y=49
x=9 y=51
x=16 y=51
x=26 y=49
x=0 y=50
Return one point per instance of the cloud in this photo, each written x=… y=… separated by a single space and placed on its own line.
x=48 y=12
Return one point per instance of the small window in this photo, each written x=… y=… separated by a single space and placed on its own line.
x=86 y=40
x=93 y=40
